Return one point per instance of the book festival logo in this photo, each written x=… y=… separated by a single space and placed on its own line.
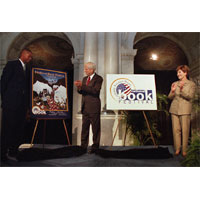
x=124 y=91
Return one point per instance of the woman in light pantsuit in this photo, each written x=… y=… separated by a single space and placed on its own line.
x=182 y=92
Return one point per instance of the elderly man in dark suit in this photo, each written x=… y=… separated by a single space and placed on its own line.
x=14 y=95
x=90 y=88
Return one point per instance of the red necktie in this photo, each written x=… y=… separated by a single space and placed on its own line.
x=88 y=80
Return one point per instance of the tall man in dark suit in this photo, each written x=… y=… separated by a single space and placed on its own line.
x=90 y=88
x=14 y=96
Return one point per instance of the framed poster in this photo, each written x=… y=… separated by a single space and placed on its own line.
x=131 y=92
x=49 y=97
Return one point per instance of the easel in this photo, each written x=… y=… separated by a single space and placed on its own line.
x=148 y=126
x=44 y=131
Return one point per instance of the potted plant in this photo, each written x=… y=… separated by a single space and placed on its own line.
x=137 y=127
x=193 y=153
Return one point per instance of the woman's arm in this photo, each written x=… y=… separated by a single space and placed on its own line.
x=171 y=95
x=188 y=93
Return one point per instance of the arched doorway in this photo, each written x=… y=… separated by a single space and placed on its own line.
x=160 y=56
x=51 y=51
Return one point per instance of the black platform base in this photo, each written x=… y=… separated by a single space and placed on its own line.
x=34 y=154
x=137 y=153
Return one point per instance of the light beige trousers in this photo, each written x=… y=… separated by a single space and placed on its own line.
x=181 y=124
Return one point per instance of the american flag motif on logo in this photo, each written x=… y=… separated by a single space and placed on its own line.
x=124 y=87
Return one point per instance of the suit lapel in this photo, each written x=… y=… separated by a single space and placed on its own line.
x=85 y=80
x=93 y=79
x=21 y=67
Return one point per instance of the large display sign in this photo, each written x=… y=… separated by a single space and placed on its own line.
x=49 y=94
x=131 y=92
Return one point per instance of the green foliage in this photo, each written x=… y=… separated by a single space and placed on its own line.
x=137 y=126
x=196 y=103
x=193 y=154
x=162 y=102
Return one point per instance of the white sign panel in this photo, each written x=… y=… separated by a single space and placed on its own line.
x=131 y=92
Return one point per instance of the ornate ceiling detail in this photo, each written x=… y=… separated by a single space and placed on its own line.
x=169 y=54
x=50 y=49
x=51 y=52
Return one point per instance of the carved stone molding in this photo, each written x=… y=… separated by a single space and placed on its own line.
x=127 y=58
x=128 y=52
x=77 y=60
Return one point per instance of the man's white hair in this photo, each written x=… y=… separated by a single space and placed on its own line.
x=91 y=65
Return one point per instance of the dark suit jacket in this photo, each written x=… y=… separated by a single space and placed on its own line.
x=90 y=95
x=14 y=91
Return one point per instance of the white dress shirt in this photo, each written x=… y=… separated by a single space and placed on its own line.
x=91 y=76
x=23 y=64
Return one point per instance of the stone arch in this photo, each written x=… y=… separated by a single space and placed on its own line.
x=171 y=36
x=127 y=39
x=23 y=39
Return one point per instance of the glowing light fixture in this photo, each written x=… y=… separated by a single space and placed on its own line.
x=154 y=57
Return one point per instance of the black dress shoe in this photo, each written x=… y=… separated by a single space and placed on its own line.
x=92 y=150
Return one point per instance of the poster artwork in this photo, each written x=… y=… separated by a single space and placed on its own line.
x=49 y=94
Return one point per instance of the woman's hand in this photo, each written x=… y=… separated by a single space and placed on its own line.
x=173 y=87
x=181 y=84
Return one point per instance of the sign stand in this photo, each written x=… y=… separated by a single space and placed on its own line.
x=149 y=129
x=148 y=126
x=45 y=132
x=119 y=120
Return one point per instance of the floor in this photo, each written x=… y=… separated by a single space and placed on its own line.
x=92 y=160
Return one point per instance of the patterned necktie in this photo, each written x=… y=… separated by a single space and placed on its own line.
x=88 y=80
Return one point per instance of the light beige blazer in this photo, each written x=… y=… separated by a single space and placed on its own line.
x=182 y=99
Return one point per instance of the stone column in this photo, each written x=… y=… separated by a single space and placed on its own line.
x=77 y=119
x=111 y=66
x=91 y=47
x=101 y=64
x=111 y=53
x=127 y=60
x=78 y=75
x=111 y=57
